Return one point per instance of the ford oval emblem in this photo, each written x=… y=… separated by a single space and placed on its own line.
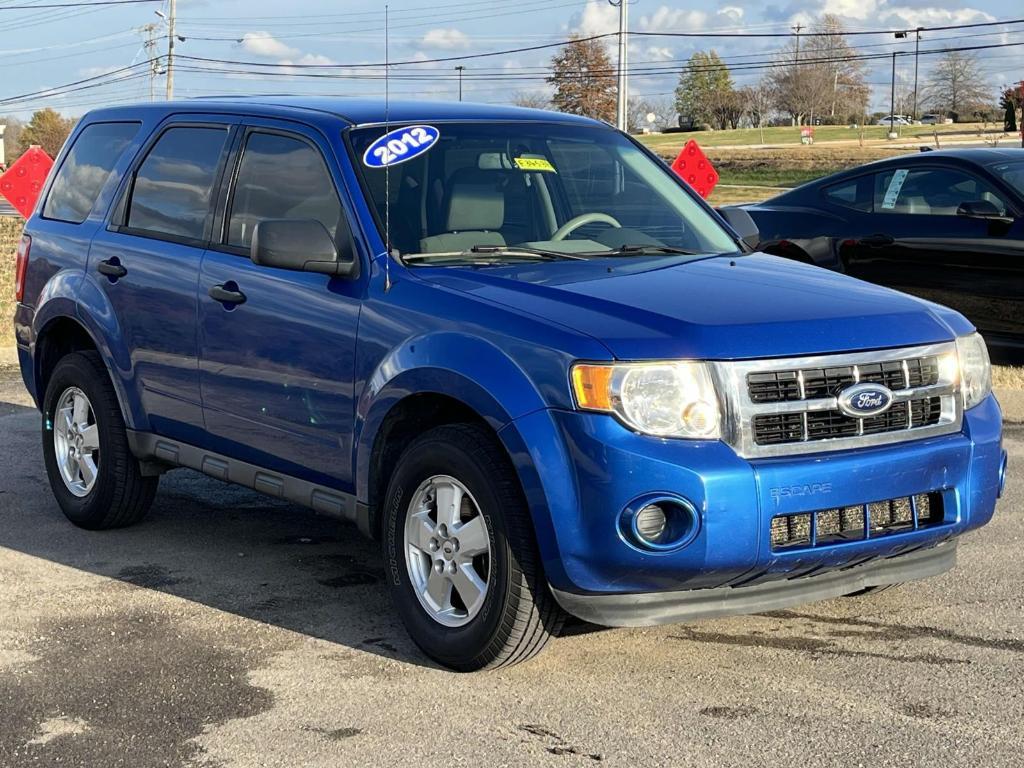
x=400 y=145
x=862 y=400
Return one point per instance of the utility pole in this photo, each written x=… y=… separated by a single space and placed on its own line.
x=171 y=18
x=459 y=69
x=796 y=72
x=917 y=53
x=154 y=64
x=622 y=107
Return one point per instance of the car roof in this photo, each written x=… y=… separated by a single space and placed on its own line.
x=354 y=111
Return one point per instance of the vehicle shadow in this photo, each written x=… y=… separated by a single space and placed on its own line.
x=215 y=544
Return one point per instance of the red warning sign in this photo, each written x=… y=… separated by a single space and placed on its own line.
x=23 y=182
x=693 y=167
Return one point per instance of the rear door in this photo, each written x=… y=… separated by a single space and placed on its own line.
x=915 y=241
x=277 y=364
x=147 y=262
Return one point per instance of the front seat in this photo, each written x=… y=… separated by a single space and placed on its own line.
x=475 y=211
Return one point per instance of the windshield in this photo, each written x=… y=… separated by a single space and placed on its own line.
x=484 y=192
x=1012 y=174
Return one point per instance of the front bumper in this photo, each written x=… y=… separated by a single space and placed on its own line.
x=653 y=608
x=587 y=560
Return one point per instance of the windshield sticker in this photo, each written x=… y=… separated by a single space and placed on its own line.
x=534 y=164
x=893 y=192
x=400 y=145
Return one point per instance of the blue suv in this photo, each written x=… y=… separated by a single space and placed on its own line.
x=510 y=345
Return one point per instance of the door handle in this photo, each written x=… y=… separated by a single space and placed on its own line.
x=112 y=268
x=227 y=294
x=876 y=241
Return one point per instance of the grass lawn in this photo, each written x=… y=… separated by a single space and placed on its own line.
x=822 y=135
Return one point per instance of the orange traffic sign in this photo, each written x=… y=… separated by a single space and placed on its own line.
x=693 y=167
x=23 y=182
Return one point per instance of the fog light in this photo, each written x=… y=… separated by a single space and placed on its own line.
x=651 y=523
x=659 y=523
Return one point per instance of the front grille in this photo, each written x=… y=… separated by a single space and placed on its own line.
x=783 y=407
x=776 y=429
x=826 y=527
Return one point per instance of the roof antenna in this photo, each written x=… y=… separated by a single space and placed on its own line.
x=387 y=166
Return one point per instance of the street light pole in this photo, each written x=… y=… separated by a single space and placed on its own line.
x=459 y=69
x=892 y=98
x=622 y=107
x=917 y=52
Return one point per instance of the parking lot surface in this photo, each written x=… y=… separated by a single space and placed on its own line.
x=229 y=629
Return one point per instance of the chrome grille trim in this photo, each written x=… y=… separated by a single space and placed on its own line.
x=739 y=410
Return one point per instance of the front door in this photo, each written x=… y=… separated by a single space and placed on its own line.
x=918 y=242
x=278 y=346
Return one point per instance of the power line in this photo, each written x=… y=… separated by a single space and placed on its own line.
x=74 y=5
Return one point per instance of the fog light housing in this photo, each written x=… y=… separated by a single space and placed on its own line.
x=659 y=523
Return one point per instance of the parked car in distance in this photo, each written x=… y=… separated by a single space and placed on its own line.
x=510 y=345
x=894 y=120
x=944 y=225
x=932 y=119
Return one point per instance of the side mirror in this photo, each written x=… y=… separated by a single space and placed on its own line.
x=743 y=225
x=302 y=245
x=983 y=209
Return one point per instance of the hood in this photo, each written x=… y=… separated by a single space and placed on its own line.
x=713 y=308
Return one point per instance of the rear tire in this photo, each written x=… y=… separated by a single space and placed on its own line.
x=95 y=478
x=454 y=515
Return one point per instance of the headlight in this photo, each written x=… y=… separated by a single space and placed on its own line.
x=975 y=369
x=662 y=399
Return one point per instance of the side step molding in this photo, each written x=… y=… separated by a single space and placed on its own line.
x=164 y=453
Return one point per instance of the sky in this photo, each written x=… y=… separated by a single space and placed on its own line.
x=293 y=46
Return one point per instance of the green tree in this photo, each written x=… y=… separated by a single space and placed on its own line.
x=705 y=93
x=584 y=80
x=47 y=128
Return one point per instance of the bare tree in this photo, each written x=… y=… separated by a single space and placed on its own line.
x=820 y=78
x=531 y=100
x=758 y=104
x=957 y=86
x=663 y=109
x=584 y=80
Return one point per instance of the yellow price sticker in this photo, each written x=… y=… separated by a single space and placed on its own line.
x=534 y=164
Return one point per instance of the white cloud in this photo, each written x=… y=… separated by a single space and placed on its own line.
x=883 y=11
x=665 y=19
x=731 y=12
x=266 y=45
x=445 y=39
x=597 y=19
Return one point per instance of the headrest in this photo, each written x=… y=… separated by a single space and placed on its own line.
x=476 y=201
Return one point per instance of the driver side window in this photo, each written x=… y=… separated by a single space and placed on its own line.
x=931 y=192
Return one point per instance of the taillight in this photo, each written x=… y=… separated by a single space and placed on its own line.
x=21 y=267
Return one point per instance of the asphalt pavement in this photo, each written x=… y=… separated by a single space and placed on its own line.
x=229 y=629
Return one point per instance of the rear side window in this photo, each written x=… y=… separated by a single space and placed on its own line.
x=856 y=193
x=86 y=169
x=174 y=184
x=932 y=192
x=281 y=177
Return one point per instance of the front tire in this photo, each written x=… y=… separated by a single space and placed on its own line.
x=94 y=476
x=462 y=560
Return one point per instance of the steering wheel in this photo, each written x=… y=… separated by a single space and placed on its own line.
x=587 y=218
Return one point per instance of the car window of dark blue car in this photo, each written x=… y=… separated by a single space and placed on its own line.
x=855 y=193
x=171 y=195
x=86 y=169
x=931 y=192
x=1012 y=174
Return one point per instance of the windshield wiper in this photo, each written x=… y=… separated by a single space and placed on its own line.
x=498 y=252
x=643 y=250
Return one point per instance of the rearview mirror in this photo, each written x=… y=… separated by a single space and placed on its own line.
x=743 y=224
x=983 y=209
x=303 y=245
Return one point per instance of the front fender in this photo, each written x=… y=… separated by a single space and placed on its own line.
x=466 y=368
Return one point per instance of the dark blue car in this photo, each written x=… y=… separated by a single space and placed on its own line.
x=510 y=345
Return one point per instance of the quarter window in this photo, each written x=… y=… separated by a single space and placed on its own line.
x=86 y=169
x=174 y=184
x=281 y=177
x=855 y=194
